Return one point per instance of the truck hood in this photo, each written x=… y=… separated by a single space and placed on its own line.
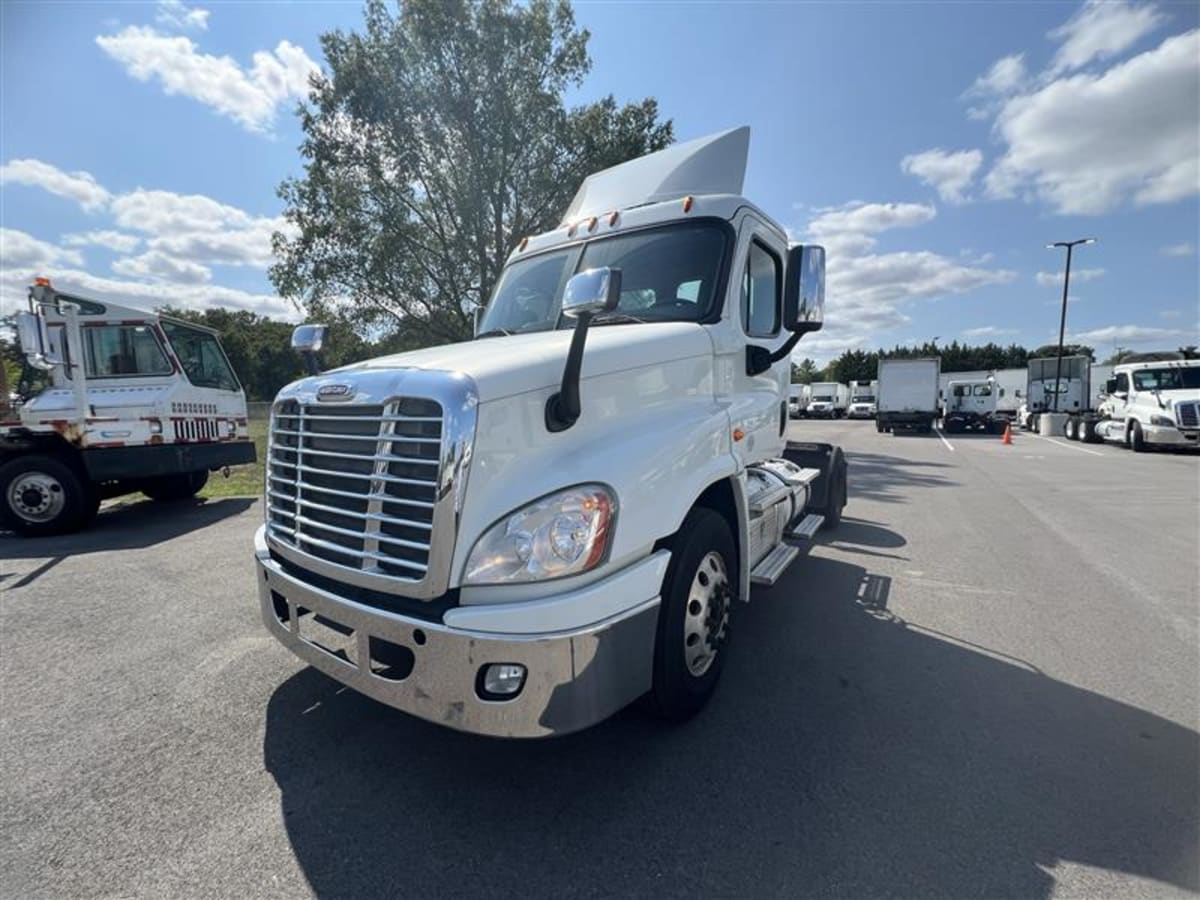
x=506 y=366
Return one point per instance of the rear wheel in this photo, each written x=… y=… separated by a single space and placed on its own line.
x=170 y=488
x=693 y=618
x=1069 y=430
x=41 y=495
x=1087 y=431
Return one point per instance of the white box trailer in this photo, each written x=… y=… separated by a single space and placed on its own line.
x=828 y=400
x=908 y=394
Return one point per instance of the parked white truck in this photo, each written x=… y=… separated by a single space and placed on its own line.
x=131 y=401
x=1151 y=400
x=518 y=536
x=972 y=405
x=862 y=400
x=1073 y=381
x=798 y=396
x=908 y=394
x=828 y=400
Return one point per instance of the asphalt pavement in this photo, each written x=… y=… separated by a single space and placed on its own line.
x=985 y=683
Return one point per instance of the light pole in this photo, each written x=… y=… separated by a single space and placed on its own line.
x=1062 y=322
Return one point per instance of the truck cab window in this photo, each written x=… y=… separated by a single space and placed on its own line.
x=1122 y=382
x=760 y=292
x=983 y=390
x=115 y=350
x=201 y=356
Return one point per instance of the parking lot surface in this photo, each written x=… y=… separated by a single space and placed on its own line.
x=984 y=683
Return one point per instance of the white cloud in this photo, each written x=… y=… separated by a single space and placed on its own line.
x=78 y=186
x=948 y=172
x=173 y=14
x=1181 y=249
x=1129 y=334
x=1100 y=30
x=23 y=253
x=989 y=331
x=1078 y=276
x=1087 y=143
x=250 y=97
x=1006 y=75
x=116 y=241
x=870 y=218
x=159 y=266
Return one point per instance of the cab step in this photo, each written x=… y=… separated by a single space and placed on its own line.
x=773 y=565
x=807 y=527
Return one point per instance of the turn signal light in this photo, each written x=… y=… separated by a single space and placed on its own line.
x=42 y=282
x=687 y=204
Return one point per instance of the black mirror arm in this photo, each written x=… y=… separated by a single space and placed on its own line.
x=311 y=366
x=563 y=408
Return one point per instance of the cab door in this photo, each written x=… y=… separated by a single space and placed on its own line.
x=758 y=413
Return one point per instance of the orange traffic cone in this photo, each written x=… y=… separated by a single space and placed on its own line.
x=1007 y=439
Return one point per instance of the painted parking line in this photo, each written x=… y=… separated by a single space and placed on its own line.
x=1042 y=437
x=938 y=432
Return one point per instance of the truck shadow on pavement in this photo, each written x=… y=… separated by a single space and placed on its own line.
x=127 y=526
x=846 y=754
x=879 y=476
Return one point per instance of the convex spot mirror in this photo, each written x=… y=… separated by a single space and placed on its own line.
x=592 y=291
x=308 y=338
x=804 y=293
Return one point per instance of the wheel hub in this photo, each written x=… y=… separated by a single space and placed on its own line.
x=36 y=497
x=706 y=618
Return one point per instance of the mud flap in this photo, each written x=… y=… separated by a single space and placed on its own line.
x=832 y=464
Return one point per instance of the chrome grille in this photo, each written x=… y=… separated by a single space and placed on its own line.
x=1188 y=414
x=356 y=485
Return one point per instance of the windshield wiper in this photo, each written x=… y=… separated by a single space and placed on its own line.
x=493 y=332
x=617 y=318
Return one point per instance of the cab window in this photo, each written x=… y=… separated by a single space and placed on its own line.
x=1123 y=382
x=983 y=390
x=116 y=350
x=760 y=292
x=201 y=356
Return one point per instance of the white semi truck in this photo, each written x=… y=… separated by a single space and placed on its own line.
x=519 y=535
x=908 y=394
x=1151 y=400
x=1072 y=379
x=828 y=400
x=862 y=400
x=973 y=405
x=129 y=401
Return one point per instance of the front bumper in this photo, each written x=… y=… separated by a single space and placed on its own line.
x=573 y=679
x=861 y=412
x=1164 y=436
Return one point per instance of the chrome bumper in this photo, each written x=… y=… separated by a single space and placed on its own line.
x=1162 y=436
x=574 y=679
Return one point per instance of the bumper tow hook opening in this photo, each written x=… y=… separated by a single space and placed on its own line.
x=390 y=661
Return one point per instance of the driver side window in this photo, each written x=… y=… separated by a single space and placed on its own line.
x=761 y=282
x=1123 y=382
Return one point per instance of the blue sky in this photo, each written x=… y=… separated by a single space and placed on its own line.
x=934 y=148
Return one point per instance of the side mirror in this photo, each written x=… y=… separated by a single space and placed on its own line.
x=593 y=291
x=35 y=343
x=1110 y=386
x=480 y=311
x=804 y=291
x=307 y=340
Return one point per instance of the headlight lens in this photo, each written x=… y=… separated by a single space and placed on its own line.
x=564 y=533
x=1163 y=421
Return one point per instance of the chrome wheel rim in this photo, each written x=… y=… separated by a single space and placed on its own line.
x=36 y=497
x=706 y=616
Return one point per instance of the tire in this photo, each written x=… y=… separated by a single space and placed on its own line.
x=1069 y=430
x=41 y=495
x=1087 y=431
x=879 y=427
x=172 y=488
x=1137 y=441
x=835 y=502
x=697 y=595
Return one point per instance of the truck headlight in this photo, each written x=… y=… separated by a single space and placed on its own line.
x=1163 y=421
x=564 y=533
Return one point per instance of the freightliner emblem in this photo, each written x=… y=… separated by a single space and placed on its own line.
x=335 y=392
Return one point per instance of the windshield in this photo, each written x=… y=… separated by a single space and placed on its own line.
x=824 y=398
x=1167 y=379
x=201 y=356
x=667 y=274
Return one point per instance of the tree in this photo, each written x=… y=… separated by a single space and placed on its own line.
x=438 y=138
x=805 y=373
x=1048 y=350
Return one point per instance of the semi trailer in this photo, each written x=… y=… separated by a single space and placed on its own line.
x=112 y=400
x=521 y=534
x=828 y=400
x=908 y=394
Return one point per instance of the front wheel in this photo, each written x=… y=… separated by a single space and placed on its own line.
x=170 y=488
x=41 y=496
x=1137 y=440
x=693 y=618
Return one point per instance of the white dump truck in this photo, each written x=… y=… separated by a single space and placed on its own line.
x=862 y=400
x=112 y=400
x=1151 y=400
x=907 y=394
x=973 y=405
x=828 y=400
x=519 y=535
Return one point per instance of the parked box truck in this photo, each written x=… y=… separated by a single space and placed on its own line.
x=828 y=400
x=908 y=394
x=862 y=400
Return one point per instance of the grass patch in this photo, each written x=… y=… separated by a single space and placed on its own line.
x=243 y=481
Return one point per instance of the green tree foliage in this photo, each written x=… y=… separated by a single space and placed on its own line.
x=1048 y=350
x=437 y=139
x=260 y=350
x=805 y=373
